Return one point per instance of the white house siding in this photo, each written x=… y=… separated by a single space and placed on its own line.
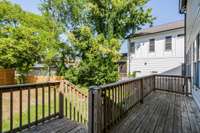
x=193 y=22
x=160 y=60
x=192 y=44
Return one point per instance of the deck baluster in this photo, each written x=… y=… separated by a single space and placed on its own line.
x=11 y=110
x=1 y=111
x=43 y=103
x=20 y=108
x=49 y=100
x=36 y=104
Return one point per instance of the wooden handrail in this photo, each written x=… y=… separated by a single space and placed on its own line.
x=122 y=82
x=8 y=88
x=74 y=87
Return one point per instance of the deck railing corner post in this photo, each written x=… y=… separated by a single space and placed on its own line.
x=92 y=111
x=1 y=112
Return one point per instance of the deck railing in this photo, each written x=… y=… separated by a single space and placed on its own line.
x=26 y=105
x=74 y=103
x=177 y=84
x=23 y=106
x=109 y=103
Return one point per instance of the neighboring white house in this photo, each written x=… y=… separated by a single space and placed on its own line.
x=158 y=49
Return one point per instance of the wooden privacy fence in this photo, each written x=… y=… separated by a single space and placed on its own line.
x=109 y=103
x=7 y=76
x=42 y=79
x=26 y=105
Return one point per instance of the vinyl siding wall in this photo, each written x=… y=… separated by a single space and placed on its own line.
x=144 y=62
x=192 y=52
x=193 y=22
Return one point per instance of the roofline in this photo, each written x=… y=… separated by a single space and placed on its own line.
x=131 y=36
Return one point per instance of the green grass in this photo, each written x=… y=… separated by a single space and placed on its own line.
x=82 y=112
x=16 y=118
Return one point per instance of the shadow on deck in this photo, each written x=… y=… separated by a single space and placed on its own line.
x=58 y=126
x=162 y=112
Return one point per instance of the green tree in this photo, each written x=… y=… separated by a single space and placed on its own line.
x=25 y=38
x=96 y=28
x=97 y=58
x=117 y=18
x=66 y=57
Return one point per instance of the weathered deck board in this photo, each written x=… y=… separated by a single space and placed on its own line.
x=58 y=126
x=162 y=112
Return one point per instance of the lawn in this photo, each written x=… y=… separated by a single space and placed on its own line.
x=16 y=118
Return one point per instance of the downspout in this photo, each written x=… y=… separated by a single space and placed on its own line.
x=185 y=40
x=185 y=53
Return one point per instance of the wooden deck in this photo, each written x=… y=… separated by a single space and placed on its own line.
x=162 y=112
x=58 y=126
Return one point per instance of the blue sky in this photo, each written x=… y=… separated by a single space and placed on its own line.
x=29 y=5
x=164 y=10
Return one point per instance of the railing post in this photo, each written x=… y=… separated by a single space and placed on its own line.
x=61 y=100
x=141 y=91
x=94 y=110
x=1 y=112
x=186 y=85
x=154 y=82
x=61 y=105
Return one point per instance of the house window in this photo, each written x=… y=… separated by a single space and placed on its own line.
x=168 y=43
x=152 y=45
x=132 y=47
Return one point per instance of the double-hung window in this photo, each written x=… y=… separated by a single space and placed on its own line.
x=132 y=47
x=168 y=43
x=152 y=45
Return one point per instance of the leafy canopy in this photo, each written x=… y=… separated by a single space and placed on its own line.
x=97 y=58
x=117 y=18
x=25 y=38
x=95 y=29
